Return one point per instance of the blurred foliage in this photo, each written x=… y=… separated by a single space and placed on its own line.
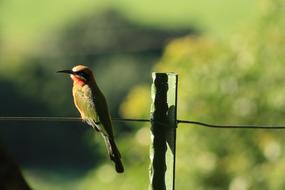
x=235 y=80
x=239 y=81
x=108 y=44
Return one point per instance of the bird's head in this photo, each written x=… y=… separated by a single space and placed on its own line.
x=80 y=74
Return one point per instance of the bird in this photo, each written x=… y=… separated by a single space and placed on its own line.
x=92 y=106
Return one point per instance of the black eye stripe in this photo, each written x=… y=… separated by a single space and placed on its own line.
x=82 y=74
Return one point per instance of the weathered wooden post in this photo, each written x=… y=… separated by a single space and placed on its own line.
x=163 y=131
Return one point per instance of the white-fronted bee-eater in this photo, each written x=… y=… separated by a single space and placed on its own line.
x=92 y=105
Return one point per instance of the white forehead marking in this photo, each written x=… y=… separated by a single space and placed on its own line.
x=74 y=69
x=77 y=68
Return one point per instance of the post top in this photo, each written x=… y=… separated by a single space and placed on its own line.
x=168 y=73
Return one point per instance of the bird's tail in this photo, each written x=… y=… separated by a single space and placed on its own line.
x=114 y=154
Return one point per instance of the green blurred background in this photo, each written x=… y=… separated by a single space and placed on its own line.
x=229 y=57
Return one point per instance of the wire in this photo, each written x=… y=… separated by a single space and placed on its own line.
x=77 y=119
x=41 y=119
x=62 y=119
x=131 y=120
x=230 y=126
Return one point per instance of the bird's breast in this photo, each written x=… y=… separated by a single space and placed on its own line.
x=83 y=100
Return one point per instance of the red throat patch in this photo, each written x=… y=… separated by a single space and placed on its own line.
x=77 y=81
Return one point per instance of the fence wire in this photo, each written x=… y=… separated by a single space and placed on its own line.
x=60 y=119
x=231 y=126
x=189 y=122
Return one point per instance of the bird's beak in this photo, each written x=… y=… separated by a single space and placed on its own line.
x=66 y=71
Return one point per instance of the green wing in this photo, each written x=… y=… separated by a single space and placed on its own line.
x=103 y=112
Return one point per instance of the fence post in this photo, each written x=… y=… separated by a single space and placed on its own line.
x=163 y=131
